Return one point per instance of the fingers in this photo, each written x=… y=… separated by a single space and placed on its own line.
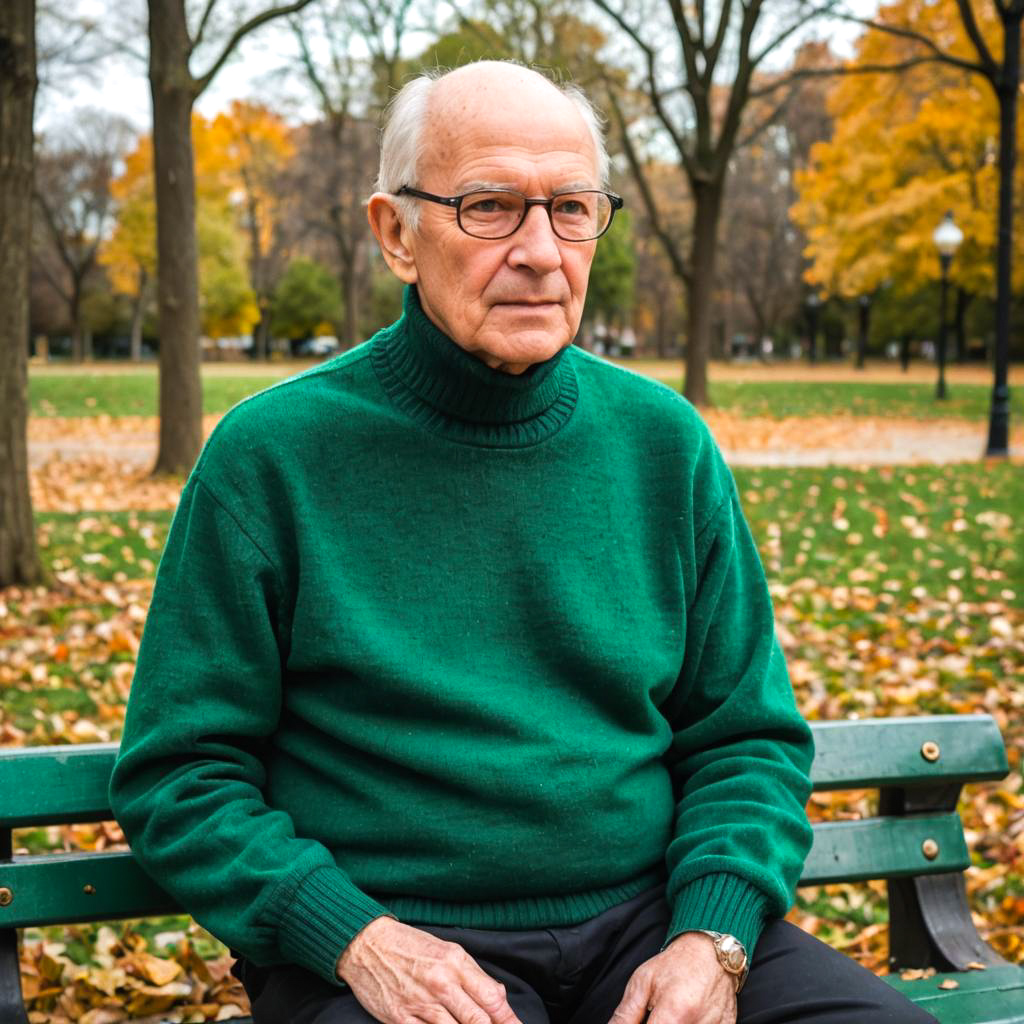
x=488 y=995
x=633 y=1007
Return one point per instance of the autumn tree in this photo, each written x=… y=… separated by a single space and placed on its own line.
x=337 y=161
x=255 y=146
x=19 y=559
x=74 y=171
x=897 y=160
x=227 y=303
x=703 y=116
x=175 y=87
x=762 y=249
x=129 y=251
x=967 y=36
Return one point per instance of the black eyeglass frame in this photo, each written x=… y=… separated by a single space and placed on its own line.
x=456 y=203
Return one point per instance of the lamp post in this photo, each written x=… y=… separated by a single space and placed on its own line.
x=947 y=238
x=864 y=308
x=813 y=302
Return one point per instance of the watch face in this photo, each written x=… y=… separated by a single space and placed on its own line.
x=735 y=955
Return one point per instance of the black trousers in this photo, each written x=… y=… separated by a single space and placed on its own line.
x=577 y=975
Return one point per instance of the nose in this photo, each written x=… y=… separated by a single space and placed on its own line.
x=535 y=244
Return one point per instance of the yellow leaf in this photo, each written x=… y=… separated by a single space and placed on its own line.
x=153 y=968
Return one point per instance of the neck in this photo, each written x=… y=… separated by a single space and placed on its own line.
x=454 y=390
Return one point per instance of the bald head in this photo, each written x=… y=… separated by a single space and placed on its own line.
x=431 y=107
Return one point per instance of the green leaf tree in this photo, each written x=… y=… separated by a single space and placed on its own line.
x=306 y=296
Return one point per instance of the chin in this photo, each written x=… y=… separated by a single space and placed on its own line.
x=529 y=347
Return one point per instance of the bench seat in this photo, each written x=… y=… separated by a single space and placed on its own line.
x=995 y=995
x=915 y=842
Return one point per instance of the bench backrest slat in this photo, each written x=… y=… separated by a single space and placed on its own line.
x=875 y=752
x=55 y=785
x=856 y=851
x=68 y=888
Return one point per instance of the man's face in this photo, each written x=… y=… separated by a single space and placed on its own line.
x=518 y=300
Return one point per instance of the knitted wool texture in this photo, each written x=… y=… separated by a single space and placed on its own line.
x=464 y=647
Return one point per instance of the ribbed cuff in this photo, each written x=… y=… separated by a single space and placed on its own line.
x=325 y=913
x=720 y=903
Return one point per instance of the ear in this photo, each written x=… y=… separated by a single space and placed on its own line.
x=393 y=236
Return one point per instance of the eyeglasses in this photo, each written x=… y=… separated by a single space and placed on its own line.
x=498 y=212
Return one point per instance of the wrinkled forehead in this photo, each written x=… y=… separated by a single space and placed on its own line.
x=478 y=123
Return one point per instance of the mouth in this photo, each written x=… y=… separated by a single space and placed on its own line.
x=530 y=303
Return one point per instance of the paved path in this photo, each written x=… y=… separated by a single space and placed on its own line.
x=870 y=444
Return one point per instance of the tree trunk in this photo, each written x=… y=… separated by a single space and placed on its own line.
x=864 y=326
x=707 y=198
x=905 y=352
x=261 y=332
x=999 y=416
x=173 y=91
x=75 y=315
x=138 y=311
x=350 y=291
x=19 y=557
x=257 y=279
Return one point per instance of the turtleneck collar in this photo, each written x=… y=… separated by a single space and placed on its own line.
x=455 y=393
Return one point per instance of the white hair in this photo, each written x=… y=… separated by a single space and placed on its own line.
x=401 y=144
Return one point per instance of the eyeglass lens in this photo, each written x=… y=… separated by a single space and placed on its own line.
x=575 y=216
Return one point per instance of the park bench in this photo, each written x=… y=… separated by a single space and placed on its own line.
x=916 y=842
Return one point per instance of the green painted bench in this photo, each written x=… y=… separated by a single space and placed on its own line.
x=916 y=843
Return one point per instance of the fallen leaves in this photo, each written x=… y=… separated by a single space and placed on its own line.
x=125 y=981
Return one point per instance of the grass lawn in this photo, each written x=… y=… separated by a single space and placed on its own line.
x=896 y=590
x=779 y=399
x=85 y=394
x=135 y=394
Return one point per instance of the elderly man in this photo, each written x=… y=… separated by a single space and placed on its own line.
x=459 y=700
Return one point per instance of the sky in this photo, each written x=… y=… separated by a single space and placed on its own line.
x=118 y=82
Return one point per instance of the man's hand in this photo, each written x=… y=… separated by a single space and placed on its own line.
x=683 y=984
x=401 y=974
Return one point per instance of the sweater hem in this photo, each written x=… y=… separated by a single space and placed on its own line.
x=521 y=914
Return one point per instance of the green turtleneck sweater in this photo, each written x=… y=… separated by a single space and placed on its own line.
x=464 y=647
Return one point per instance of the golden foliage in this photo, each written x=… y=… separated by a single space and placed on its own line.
x=905 y=149
x=231 y=154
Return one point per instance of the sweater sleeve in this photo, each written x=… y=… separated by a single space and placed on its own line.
x=187 y=785
x=741 y=750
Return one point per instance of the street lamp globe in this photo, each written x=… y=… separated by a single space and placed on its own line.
x=947 y=236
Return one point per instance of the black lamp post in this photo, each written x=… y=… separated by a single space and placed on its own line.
x=947 y=238
x=813 y=302
x=864 y=309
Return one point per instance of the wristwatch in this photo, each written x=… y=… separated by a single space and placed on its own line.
x=731 y=955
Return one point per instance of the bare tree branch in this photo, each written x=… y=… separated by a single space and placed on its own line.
x=202 y=81
x=309 y=65
x=908 y=33
x=739 y=94
x=716 y=47
x=846 y=69
x=795 y=26
x=198 y=37
x=975 y=36
x=695 y=81
x=655 y=95
x=668 y=242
